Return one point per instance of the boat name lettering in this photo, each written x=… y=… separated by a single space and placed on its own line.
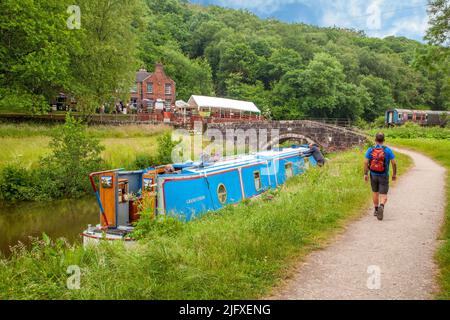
x=201 y=198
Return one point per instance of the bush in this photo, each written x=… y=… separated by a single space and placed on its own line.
x=414 y=131
x=165 y=147
x=15 y=183
x=74 y=156
x=62 y=174
x=163 y=156
x=144 y=161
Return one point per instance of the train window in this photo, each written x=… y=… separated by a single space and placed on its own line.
x=288 y=170
x=410 y=116
x=257 y=178
x=222 y=193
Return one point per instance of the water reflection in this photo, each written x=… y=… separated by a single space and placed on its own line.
x=65 y=218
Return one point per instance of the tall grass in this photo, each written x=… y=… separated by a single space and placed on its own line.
x=414 y=131
x=440 y=151
x=27 y=143
x=25 y=130
x=240 y=252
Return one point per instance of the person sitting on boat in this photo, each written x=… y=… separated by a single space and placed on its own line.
x=315 y=152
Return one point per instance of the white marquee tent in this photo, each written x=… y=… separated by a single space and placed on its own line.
x=203 y=103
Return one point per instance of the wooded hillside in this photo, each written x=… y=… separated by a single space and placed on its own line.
x=288 y=70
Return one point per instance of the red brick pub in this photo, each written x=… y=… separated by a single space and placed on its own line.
x=154 y=91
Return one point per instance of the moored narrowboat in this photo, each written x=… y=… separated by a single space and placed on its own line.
x=188 y=190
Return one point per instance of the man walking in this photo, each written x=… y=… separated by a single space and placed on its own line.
x=377 y=162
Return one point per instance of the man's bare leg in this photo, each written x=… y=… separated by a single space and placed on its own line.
x=383 y=199
x=376 y=199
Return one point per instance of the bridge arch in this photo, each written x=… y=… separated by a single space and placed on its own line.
x=295 y=137
x=329 y=137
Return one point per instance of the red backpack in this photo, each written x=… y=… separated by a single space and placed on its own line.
x=378 y=160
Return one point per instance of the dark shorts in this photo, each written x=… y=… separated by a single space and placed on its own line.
x=380 y=184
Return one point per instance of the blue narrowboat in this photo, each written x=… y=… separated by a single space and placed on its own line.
x=188 y=190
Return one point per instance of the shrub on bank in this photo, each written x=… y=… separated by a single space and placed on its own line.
x=414 y=131
x=62 y=174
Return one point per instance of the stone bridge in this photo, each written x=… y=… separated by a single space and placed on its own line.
x=327 y=136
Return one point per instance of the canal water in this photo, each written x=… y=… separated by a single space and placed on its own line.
x=65 y=218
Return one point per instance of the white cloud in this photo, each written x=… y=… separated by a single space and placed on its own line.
x=377 y=17
x=412 y=27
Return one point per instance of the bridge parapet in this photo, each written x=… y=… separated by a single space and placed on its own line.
x=328 y=136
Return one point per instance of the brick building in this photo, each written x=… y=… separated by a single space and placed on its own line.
x=153 y=91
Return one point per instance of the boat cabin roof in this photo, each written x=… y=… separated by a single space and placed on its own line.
x=239 y=161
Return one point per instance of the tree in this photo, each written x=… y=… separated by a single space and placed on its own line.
x=437 y=58
x=236 y=89
x=319 y=85
x=104 y=70
x=439 y=32
x=380 y=97
x=352 y=101
x=35 y=53
x=74 y=155
x=237 y=58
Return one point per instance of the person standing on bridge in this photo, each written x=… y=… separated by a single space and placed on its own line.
x=377 y=161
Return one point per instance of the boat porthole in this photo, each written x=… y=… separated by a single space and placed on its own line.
x=222 y=193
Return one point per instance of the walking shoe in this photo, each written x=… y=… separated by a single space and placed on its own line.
x=380 y=213
x=375 y=212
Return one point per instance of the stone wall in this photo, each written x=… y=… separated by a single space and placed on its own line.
x=327 y=136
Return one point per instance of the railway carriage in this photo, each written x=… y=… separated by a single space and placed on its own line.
x=396 y=117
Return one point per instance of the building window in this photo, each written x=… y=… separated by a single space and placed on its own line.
x=222 y=193
x=168 y=89
x=288 y=170
x=149 y=87
x=134 y=88
x=257 y=178
x=167 y=104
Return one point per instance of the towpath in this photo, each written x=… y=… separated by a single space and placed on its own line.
x=393 y=259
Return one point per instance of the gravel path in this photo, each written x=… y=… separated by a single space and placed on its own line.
x=392 y=259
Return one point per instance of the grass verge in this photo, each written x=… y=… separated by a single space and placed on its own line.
x=26 y=143
x=440 y=151
x=240 y=252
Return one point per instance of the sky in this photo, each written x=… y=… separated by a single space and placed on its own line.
x=377 y=18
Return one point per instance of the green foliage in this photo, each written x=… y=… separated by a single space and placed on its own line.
x=62 y=174
x=414 y=131
x=380 y=97
x=236 y=253
x=144 y=161
x=15 y=183
x=74 y=155
x=163 y=155
x=150 y=227
x=40 y=56
x=289 y=70
x=165 y=147
x=439 y=32
x=35 y=47
x=240 y=252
